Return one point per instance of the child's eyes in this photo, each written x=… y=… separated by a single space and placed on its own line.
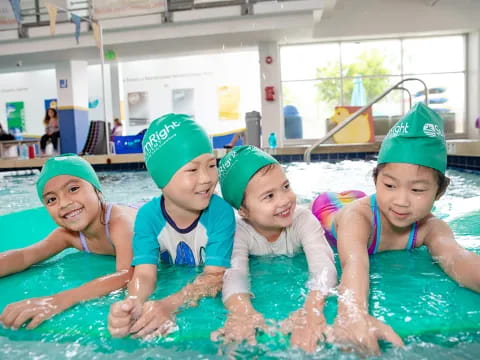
x=50 y=200
x=74 y=188
x=268 y=196
x=419 y=190
x=389 y=186
x=211 y=166
x=191 y=170
x=286 y=186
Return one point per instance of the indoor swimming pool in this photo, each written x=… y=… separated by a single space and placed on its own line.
x=435 y=317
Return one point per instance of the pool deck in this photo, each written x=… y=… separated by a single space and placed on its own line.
x=457 y=151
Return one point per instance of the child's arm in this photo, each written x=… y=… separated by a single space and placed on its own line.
x=242 y=319
x=308 y=324
x=354 y=326
x=157 y=317
x=13 y=261
x=123 y=314
x=459 y=263
x=40 y=309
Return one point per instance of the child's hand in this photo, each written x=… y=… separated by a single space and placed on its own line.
x=157 y=319
x=307 y=329
x=37 y=310
x=239 y=327
x=361 y=332
x=122 y=315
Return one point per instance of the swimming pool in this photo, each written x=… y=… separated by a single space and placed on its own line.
x=435 y=317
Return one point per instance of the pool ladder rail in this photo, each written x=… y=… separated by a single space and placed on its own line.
x=308 y=152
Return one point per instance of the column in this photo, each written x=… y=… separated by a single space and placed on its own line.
x=72 y=90
x=272 y=114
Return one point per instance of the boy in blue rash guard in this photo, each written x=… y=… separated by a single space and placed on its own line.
x=186 y=225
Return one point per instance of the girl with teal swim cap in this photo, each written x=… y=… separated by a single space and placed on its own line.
x=70 y=190
x=187 y=225
x=409 y=178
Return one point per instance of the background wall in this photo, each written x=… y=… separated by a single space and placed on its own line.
x=33 y=88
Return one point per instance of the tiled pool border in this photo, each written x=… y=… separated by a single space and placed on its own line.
x=470 y=163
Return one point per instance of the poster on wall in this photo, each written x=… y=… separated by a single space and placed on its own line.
x=15 y=115
x=95 y=108
x=183 y=102
x=228 y=102
x=50 y=104
x=138 y=113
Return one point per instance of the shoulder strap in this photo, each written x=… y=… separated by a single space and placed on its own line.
x=107 y=223
x=376 y=228
x=83 y=241
x=412 y=237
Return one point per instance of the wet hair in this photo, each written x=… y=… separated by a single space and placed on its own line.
x=103 y=206
x=47 y=117
x=442 y=180
x=262 y=171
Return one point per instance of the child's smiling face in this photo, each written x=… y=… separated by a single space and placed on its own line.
x=193 y=185
x=269 y=202
x=72 y=202
x=406 y=192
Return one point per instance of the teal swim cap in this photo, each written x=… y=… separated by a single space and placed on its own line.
x=67 y=164
x=170 y=142
x=237 y=168
x=418 y=138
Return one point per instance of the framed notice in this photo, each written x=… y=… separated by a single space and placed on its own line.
x=15 y=115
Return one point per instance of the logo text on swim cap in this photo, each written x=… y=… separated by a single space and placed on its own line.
x=400 y=129
x=157 y=138
x=225 y=167
x=432 y=130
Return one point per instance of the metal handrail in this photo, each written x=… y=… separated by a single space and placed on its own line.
x=308 y=152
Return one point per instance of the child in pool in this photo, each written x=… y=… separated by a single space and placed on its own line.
x=409 y=177
x=186 y=225
x=271 y=224
x=71 y=192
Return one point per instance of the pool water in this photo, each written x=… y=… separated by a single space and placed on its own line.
x=434 y=316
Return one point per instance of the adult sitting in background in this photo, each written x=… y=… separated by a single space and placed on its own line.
x=117 y=128
x=52 y=131
x=4 y=136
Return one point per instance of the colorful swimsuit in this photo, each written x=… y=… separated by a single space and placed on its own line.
x=327 y=204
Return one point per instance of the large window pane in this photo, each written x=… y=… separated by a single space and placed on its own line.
x=446 y=96
x=371 y=58
x=433 y=55
x=312 y=110
x=308 y=62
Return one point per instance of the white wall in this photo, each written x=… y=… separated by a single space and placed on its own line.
x=95 y=91
x=32 y=88
x=473 y=89
x=203 y=73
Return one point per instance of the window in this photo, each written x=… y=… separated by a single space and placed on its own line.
x=318 y=77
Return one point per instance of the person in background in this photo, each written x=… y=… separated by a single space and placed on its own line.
x=52 y=130
x=5 y=136
x=117 y=128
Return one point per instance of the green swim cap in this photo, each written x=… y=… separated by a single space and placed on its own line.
x=170 y=142
x=67 y=164
x=418 y=138
x=237 y=168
